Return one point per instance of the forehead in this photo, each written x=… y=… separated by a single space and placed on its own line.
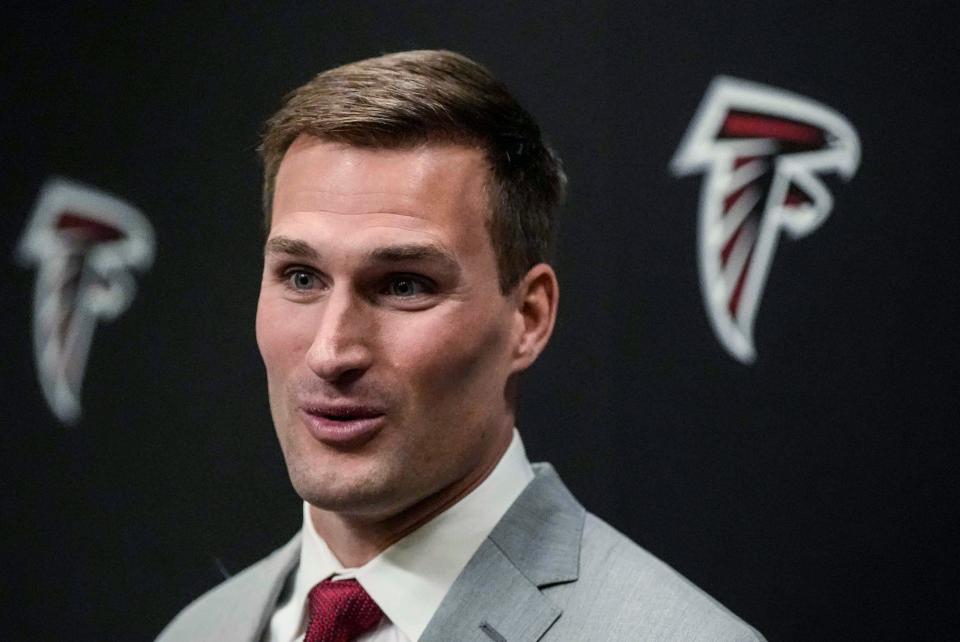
x=434 y=184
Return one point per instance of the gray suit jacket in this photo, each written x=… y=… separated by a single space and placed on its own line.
x=549 y=571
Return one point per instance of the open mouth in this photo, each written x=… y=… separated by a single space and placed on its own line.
x=342 y=425
x=354 y=413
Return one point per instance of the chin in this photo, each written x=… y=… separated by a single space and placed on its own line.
x=361 y=492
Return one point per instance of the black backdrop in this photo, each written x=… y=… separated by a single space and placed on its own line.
x=813 y=492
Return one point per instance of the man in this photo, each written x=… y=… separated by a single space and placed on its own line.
x=405 y=288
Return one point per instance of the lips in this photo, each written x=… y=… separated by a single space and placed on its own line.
x=342 y=424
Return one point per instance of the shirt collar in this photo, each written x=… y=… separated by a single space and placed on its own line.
x=410 y=579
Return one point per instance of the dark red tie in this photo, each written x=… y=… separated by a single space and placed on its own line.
x=339 y=612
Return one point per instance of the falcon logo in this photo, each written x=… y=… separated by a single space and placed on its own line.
x=84 y=244
x=761 y=150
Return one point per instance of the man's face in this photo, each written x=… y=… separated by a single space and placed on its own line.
x=386 y=339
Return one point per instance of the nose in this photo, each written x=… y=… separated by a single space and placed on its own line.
x=340 y=351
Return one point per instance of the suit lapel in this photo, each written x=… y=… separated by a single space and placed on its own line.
x=497 y=596
x=491 y=598
x=251 y=616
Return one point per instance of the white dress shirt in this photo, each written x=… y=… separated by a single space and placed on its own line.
x=410 y=579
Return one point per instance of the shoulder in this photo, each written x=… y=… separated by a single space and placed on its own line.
x=606 y=586
x=237 y=604
x=630 y=594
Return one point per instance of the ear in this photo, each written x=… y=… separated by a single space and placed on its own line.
x=536 y=298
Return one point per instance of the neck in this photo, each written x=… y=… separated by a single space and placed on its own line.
x=357 y=539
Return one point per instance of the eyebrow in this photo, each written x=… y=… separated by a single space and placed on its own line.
x=416 y=252
x=291 y=247
x=406 y=253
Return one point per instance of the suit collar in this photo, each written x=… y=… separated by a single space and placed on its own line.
x=541 y=532
x=536 y=544
x=271 y=578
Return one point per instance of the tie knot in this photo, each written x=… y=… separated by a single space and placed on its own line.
x=339 y=612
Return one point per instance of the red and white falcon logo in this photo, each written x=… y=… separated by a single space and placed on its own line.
x=762 y=150
x=84 y=243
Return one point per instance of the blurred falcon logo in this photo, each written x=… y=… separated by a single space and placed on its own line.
x=84 y=244
x=761 y=149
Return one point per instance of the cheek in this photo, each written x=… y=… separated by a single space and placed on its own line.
x=282 y=333
x=456 y=358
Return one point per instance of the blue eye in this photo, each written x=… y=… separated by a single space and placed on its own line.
x=405 y=287
x=300 y=280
